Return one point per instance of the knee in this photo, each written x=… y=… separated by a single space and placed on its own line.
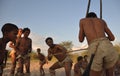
x=51 y=70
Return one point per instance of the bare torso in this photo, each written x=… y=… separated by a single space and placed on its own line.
x=41 y=56
x=2 y=52
x=24 y=45
x=93 y=28
x=59 y=52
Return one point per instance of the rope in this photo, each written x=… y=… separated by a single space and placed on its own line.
x=72 y=51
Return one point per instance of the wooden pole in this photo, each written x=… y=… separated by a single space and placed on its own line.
x=88 y=7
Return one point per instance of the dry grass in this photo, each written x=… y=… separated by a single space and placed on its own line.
x=35 y=69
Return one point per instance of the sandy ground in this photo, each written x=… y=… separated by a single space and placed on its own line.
x=35 y=69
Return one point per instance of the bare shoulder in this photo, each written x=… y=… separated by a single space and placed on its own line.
x=49 y=50
x=59 y=46
x=83 y=19
x=30 y=39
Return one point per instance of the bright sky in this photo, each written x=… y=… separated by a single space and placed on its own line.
x=56 y=18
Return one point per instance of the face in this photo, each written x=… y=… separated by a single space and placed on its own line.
x=20 y=32
x=12 y=35
x=49 y=42
x=26 y=33
x=38 y=50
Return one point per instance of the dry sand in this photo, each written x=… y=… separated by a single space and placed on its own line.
x=35 y=69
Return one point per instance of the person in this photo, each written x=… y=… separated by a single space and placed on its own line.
x=24 y=48
x=85 y=62
x=60 y=53
x=78 y=66
x=9 y=32
x=98 y=34
x=13 y=52
x=117 y=69
x=43 y=60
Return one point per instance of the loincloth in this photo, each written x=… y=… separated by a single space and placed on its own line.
x=23 y=56
x=106 y=55
x=67 y=59
x=42 y=62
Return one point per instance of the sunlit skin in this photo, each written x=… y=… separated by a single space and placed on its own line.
x=10 y=35
x=60 y=54
x=43 y=60
x=94 y=28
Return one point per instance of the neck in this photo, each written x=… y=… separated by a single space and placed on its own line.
x=5 y=40
x=52 y=46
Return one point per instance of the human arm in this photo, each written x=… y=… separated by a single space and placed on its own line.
x=30 y=50
x=5 y=59
x=109 y=33
x=61 y=49
x=81 y=32
x=12 y=45
x=49 y=57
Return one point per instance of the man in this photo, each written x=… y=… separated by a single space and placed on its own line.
x=97 y=32
x=24 y=49
x=9 y=32
x=60 y=53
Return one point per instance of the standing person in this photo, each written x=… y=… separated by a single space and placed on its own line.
x=13 y=52
x=43 y=60
x=97 y=32
x=78 y=66
x=60 y=53
x=9 y=32
x=24 y=49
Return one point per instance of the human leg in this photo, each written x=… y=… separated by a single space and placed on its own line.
x=27 y=64
x=110 y=71
x=13 y=60
x=20 y=67
x=53 y=68
x=68 y=67
x=1 y=70
x=42 y=73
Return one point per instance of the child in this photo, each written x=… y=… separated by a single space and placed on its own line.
x=78 y=66
x=14 y=51
x=42 y=61
x=9 y=32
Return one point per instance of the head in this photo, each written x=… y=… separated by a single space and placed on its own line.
x=91 y=15
x=38 y=50
x=85 y=56
x=9 y=31
x=26 y=32
x=49 y=41
x=79 y=58
x=19 y=32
